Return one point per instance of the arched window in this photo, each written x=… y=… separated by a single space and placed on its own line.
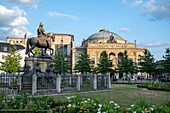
x=112 y=57
x=120 y=55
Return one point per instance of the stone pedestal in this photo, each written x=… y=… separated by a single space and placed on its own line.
x=44 y=62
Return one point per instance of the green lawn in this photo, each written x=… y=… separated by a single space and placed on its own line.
x=125 y=95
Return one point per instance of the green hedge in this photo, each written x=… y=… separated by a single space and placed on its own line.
x=153 y=88
x=24 y=111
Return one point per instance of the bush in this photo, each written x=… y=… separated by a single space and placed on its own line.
x=24 y=101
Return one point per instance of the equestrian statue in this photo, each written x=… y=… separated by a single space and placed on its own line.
x=42 y=41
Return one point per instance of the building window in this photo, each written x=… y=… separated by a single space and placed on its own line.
x=10 y=41
x=3 y=56
x=139 y=60
x=4 y=48
x=139 y=55
x=131 y=59
x=16 y=41
x=13 y=41
x=93 y=60
x=20 y=41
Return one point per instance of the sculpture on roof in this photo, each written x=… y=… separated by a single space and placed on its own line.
x=111 y=40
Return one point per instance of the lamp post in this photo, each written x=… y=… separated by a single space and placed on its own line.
x=62 y=56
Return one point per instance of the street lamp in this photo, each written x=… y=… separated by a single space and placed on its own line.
x=62 y=56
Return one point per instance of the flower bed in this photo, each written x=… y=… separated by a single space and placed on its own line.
x=76 y=105
x=151 y=85
x=23 y=101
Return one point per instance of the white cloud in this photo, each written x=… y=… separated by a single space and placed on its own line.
x=15 y=32
x=77 y=43
x=55 y=14
x=132 y=2
x=32 y=6
x=125 y=29
x=155 y=43
x=157 y=10
x=12 y=17
x=137 y=2
x=12 y=23
x=19 y=1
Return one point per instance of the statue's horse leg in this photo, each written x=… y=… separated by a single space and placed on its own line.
x=32 y=47
x=50 y=51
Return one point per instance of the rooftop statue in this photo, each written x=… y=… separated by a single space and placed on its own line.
x=42 y=41
x=111 y=40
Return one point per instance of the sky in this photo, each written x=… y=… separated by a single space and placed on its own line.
x=147 y=21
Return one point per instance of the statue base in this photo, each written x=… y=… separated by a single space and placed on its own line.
x=31 y=62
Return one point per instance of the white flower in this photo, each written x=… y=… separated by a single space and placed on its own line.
x=94 y=103
x=98 y=112
x=100 y=105
x=111 y=102
x=69 y=105
x=118 y=106
x=132 y=105
x=85 y=101
x=68 y=98
x=151 y=108
x=134 y=112
x=103 y=112
x=115 y=104
x=88 y=99
x=115 y=107
x=99 y=109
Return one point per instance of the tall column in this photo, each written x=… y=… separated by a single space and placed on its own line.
x=95 y=82
x=108 y=81
x=58 y=83
x=78 y=82
x=73 y=58
x=19 y=81
x=34 y=84
x=70 y=80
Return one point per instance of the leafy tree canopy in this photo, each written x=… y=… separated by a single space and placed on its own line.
x=104 y=65
x=126 y=65
x=12 y=61
x=58 y=63
x=147 y=63
x=84 y=64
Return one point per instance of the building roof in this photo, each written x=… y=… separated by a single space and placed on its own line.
x=104 y=33
x=8 y=45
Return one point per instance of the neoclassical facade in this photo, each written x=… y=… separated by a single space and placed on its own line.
x=112 y=43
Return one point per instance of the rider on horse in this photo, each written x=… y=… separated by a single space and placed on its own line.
x=41 y=32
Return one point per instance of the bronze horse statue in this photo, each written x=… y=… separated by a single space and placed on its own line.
x=37 y=42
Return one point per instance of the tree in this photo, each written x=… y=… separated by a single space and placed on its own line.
x=104 y=65
x=166 y=61
x=84 y=64
x=126 y=65
x=37 y=52
x=58 y=63
x=147 y=63
x=12 y=61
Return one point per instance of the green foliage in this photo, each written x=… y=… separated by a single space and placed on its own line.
x=78 y=105
x=24 y=101
x=84 y=64
x=152 y=85
x=37 y=52
x=58 y=63
x=12 y=61
x=104 y=65
x=166 y=61
x=126 y=65
x=147 y=63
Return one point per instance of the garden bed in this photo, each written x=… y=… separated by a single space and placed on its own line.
x=155 y=86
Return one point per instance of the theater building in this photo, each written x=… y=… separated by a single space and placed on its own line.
x=112 y=43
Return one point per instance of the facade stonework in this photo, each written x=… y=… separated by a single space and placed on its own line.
x=112 y=43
